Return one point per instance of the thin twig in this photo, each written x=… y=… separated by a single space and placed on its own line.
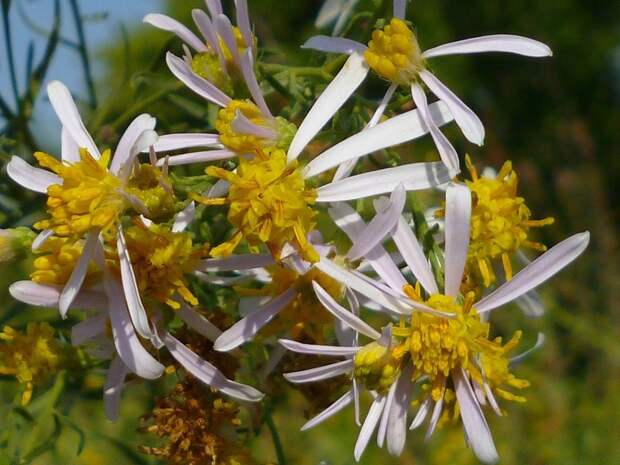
x=9 y=48
x=90 y=84
x=275 y=436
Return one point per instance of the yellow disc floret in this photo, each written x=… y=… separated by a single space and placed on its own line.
x=56 y=260
x=269 y=203
x=274 y=132
x=161 y=259
x=88 y=199
x=30 y=356
x=378 y=366
x=500 y=222
x=394 y=53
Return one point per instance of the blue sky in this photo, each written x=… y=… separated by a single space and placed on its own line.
x=66 y=65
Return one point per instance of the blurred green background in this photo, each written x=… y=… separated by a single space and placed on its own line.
x=558 y=119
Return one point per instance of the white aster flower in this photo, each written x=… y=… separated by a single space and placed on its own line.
x=336 y=13
x=394 y=54
x=457 y=359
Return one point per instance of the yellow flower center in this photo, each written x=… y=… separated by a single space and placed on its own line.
x=269 y=203
x=394 y=53
x=160 y=259
x=278 y=132
x=153 y=189
x=57 y=260
x=88 y=199
x=304 y=318
x=500 y=222
x=30 y=356
x=377 y=366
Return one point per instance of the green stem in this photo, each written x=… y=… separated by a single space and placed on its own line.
x=275 y=436
x=90 y=84
x=9 y=49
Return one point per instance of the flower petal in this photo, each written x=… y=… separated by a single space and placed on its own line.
x=207 y=373
x=237 y=262
x=243 y=330
x=247 y=69
x=492 y=43
x=421 y=414
x=413 y=176
x=475 y=424
x=397 y=130
x=330 y=411
x=201 y=86
x=41 y=239
x=343 y=314
x=313 y=349
x=172 y=25
x=69 y=116
x=68 y=147
x=113 y=388
x=468 y=121
x=537 y=272
x=225 y=32
x=89 y=328
x=26 y=175
x=184 y=218
x=214 y=7
x=47 y=295
x=369 y=426
x=334 y=45
x=206 y=28
x=198 y=323
x=320 y=373
x=397 y=423
x=435 y=416
x=379 y=227
x=383 y=425
x=446 y=151
x=412 y=253
x=458 y=216
x=197 y=157
x=136 y=308
x=73 y=286
x=400 y=8
x=540 y=341
x=243 y=22
x=184 y=141
x=123 y=154
x=329 y=102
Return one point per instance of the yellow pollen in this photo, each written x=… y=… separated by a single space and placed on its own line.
x=56 y=261
x=278 y=131
x=160 y=259
x=269 y=203
x=394 y=53
x=88 y=199
x=30 y=356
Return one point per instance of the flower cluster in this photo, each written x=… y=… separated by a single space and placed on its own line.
x=404 y=302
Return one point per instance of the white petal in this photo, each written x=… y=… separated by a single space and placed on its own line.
x=540 y=341
x=122 y=154
x=128 y=346
x=329 y=102
x=73 y=286
x=41 y=239
x=47 y=295
x=537 y=272
x=383 y=425
x=225 y=32
x=320 y=373
x=243 y=22
x=137 y=311
x=328 y=13
x=198 y=323
x=397 y=423
x=172 y=25
x=362 y=286
x=237 y=262
x=421 y=414
x=369 y=426
x=330 y=411
x=113 y=388
x=468 y=121
x=446 y=151
x=221 y=280
x=400 y=129
x=184 y=141
x=347 y=219
x=379 y=227
x=413 y=254
x=343 y=314
x=531 y=304
x=474 y=422
x=334 y=45
x=247 y=69
x=400 y=8
x=197 y=157
x=206 y=28
x=243 y=125
x=314 y=349
x=413 y=176
x=196 y=83
x=214 y=7
x=243 y=330
x=183 y=219
x=69 y=149
x=437 y=409
x=492 y=43
x=26 y=175
x=69 y=116
x=88 y=329
x=207 y=373
x=458 y=215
